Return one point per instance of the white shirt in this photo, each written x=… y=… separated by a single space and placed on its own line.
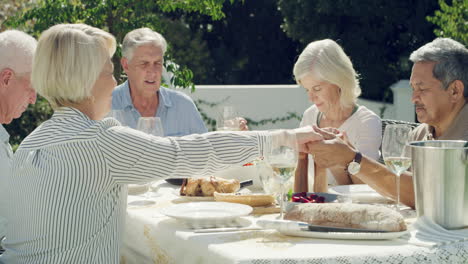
x=5 y=158
x=364 y=130
x=69 y=179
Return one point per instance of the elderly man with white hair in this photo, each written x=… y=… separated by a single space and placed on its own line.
x=16 y=53
x=142 y=95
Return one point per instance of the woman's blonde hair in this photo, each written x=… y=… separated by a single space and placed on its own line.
x=68 y=61
x=326 y=60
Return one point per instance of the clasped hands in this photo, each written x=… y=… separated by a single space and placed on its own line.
x=329 y=146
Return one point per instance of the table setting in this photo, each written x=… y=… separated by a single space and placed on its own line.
x=347 y=224
x=215 y=233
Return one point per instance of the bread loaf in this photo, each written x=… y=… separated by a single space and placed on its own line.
x=252 y=199
x=207 y=186
x=361 y=216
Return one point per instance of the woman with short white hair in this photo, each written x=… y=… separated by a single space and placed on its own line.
x=332 y=84
x=69 y=178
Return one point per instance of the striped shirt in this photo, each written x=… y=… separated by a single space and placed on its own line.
x=67 y=191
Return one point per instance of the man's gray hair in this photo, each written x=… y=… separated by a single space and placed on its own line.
x=16 y=51
x=451 y=59
x=139 y=37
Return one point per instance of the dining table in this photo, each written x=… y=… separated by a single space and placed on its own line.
x=151 y=236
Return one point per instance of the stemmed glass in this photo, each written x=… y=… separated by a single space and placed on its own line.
x=121 y=116
x=151 y=125
x=270 y=183
x=395 y=153
x=227 y=119
x=282 y=155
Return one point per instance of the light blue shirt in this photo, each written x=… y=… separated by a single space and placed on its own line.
x=6 y=155
x=178 y=113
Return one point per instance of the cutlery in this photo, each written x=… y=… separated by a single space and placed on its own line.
x=317 y=228
x=175 y=181
x=246 y=183
x=287 y=225
x=180 y=181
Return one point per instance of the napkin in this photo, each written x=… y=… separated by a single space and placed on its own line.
x=426 y=233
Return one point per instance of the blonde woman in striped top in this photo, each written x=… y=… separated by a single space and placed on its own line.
x=67 y=190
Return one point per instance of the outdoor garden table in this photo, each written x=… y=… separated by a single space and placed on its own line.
x=151 y=237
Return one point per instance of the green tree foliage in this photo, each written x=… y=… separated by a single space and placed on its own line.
x=248 y=46
x=189 y=48
x=115 y=16
x=378 y=35
x=452 y=20
x=9 y=8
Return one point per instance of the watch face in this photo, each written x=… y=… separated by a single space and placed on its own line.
x=354 y=167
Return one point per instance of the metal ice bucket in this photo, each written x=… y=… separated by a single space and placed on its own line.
x=440 y=178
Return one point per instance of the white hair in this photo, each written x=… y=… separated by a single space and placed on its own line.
x=140 y=37
x=16 y=51
x=326 y=60
x=68 y=61
x=451 y=59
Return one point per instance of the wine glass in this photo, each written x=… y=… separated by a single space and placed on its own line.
x=270 y=183
x=395 y=153
x=282 y=154
x=151 y=125
x=227 y=119
x=123 y=117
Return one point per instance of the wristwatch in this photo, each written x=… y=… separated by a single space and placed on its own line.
x=355 y=166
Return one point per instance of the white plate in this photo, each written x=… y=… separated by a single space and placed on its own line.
x=209 y=214
x=359 y=193
x=346 y=236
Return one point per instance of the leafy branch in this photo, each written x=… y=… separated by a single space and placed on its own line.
x=452 y=20
x=211 y=122
x=289 y=116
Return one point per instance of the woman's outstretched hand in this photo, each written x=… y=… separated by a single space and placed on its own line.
x=306 y=135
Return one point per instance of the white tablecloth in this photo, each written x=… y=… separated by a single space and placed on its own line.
x=151 y=237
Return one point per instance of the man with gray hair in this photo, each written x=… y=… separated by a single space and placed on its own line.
x=439 y=80
x=142 y=95
x=440 y=90
x=16 y=52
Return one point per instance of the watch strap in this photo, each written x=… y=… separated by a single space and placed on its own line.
x=351 y=166
x=358 y=157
